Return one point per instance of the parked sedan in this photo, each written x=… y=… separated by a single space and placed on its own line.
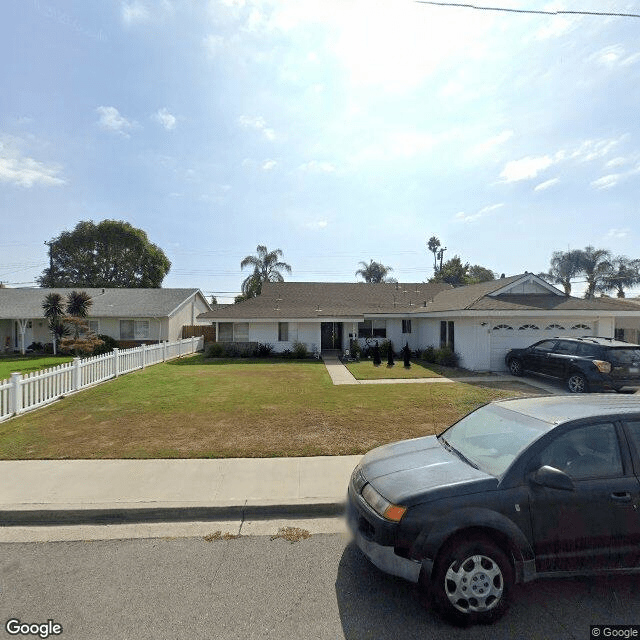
x=584 y=364
x=514 y=491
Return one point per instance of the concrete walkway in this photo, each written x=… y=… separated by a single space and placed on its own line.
x=341 y=375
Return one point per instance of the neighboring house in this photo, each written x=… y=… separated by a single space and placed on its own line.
x=480 y=322
x=131 y=316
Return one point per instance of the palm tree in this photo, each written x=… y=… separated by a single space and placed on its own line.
x=596 y=265
x=374 y=272
x=54 y=312
x=624 y=274
x=564 y=267
x=266 y=268
x=78 y=305
x=433 y=244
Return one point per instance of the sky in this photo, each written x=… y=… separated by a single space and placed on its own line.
x=336 y=131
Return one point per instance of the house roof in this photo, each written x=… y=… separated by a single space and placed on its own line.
x=284 y=300
x=130 y=303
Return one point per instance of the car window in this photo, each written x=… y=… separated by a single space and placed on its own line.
x=633 y=429
x=567 y=348
x=588 y=350
x=491 y=437
x=586 y=452
x=545 y=345
x=624 y=356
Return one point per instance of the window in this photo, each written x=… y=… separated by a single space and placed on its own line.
x=503 y=327
x=225 y=332
x=551 y=327
x=581 y=326
x=545 y=345
x=447 y=334
x=241 y=332
x=406 y=326
x=94 y=326
x=134 y=329
x=530 y=327
x=283 y=331
x=372 y=329
x=586 y=452
x=567 y=348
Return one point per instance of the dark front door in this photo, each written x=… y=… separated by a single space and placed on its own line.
x=330 y=335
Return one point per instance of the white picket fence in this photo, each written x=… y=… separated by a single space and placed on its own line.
x=24 y=392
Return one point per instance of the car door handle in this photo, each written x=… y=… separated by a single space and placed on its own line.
x=621 y=496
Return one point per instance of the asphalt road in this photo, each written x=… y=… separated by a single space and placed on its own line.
x=256 y=587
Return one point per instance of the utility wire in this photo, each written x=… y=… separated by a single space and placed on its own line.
x=558 y=12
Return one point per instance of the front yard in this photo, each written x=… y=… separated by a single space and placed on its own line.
x=27 y=364
x=365 y=370
x=196 y=407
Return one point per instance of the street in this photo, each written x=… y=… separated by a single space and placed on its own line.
x=259 y=587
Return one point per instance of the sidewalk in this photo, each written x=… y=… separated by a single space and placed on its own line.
x=46 y=492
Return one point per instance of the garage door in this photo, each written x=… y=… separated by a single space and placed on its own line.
x=516 y=335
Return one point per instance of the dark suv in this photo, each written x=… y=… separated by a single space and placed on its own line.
x=585 y=364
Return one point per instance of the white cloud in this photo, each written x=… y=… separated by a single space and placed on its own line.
x=27 y=172
x=166 y=119
x=617 y=234
x=472 y=217
x=318 y=225
x=526 y=168
x=258 y=123
x=134 y=13
x=112 y=120
x=490 y=144
x=543 y=186
x=606 y=182
x=267 y=165
x=317 y=166
x=614 y=55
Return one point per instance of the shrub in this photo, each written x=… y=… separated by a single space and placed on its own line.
x=384 y=348
x=356 y=350
x=446 y=357
x=263 y=350
x=300 y=350
x=287 y=354
x=35 y=346
x=108 y=345
x=216 y=350
x=429 y=354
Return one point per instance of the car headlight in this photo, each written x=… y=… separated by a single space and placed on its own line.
x=357 y=479
x=602 y=365
x=381 y=505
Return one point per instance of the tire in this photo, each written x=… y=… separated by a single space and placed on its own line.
x=472 y=582
x=515 y=367
x=577 y=383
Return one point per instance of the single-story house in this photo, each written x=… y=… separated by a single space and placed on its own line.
x=480 y=322
x=131 y=316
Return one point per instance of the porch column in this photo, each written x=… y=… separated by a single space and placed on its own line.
x=22 y=325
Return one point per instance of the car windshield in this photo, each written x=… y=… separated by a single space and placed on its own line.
x=491 y=437
x=625 y=356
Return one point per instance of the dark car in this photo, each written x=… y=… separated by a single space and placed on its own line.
x=585 y=364
x=515 y=490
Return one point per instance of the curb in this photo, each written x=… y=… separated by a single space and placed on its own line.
x=119 y=515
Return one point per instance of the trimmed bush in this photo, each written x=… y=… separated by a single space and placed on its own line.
x=109 y=344
x=429 y=354
x=300 y=350
x=263 y=350
x=446 y=357
x=385 y=345
x=216 y=350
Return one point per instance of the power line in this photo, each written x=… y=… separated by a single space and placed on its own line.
x=543 y=12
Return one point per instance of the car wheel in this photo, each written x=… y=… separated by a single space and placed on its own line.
x=515 y=367
x=577 y=383
x=472 y=581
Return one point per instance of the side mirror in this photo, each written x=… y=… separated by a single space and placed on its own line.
x=553 y=478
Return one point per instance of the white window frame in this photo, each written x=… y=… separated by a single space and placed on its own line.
x=283 y=332
x=140 y=329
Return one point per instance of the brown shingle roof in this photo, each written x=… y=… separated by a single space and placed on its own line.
x=329 y=299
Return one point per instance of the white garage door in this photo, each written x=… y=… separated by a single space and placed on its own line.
x=508 y=334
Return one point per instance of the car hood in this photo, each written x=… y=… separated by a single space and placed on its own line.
x=413 y=471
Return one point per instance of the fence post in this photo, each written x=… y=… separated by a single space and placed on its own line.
x=77 y=374
x=116 y=362
x=15 y=395
x=144 y=355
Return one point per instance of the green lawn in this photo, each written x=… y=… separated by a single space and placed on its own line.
x=210 y=408
x=365 y=370
x=27 y=364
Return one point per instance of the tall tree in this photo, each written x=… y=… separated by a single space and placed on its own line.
x=453 y=272
x=374 y=272
x=54 y=312
x=433 y=244
x=596 y=266
x=624 y=274
x=111 y=253
x=477 y=273
x=565 y=266
x=267 y=267
x=83 y=341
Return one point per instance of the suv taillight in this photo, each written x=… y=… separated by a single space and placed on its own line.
x=602 y=365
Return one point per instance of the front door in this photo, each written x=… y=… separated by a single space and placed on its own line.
x=330 y=336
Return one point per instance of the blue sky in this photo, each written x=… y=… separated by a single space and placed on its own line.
x=335 y=131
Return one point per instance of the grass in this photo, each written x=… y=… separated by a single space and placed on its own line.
x=198 y=408
x=27 y=364
x=365 y=370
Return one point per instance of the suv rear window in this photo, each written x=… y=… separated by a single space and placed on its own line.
x=623 y=355
x=589 y=350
